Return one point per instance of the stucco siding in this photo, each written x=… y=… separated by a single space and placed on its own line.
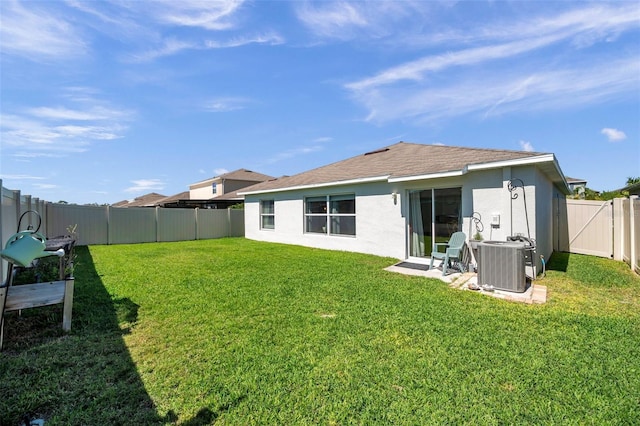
x=201 y=193
x=379 y=222
x=483 y=193
x=545 y=192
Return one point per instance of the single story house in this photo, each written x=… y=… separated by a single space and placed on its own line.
x=398 y=200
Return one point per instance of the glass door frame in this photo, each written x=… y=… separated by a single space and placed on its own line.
x=455 y=224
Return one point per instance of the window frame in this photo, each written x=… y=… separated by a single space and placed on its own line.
x=331 y=218
x=271 y=214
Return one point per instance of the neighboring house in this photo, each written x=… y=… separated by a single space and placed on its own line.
x=222 y=191
x=147 y=200
x=224 y=184
x=177 y=200
x=218 y=192
x=577 y=186
x=395 y=200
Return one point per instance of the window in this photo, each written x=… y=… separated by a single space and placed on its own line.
x=214 y=188
x=334 y=214
x=267 y=214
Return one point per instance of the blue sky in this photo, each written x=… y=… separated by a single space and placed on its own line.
x=106 y=101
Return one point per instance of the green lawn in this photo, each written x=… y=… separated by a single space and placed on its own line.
x=242 y=332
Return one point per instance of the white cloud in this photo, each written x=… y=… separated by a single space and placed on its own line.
x=482 y=80
x=323 y=139
x=614 y=135
x=271 y=38
x=37 y=33
x=22 y=177
x=209 y=15
x=220 y=171
x=45 y=185
x=498 y=93
x=526 y=146
x=416 y=70
x=91 y=114
x=344 y=20
x=226 y=104
x=294 y=152
x=169 y=47
x=331 y=19
x=143 y=185
x=173 y=46
x=51 y=131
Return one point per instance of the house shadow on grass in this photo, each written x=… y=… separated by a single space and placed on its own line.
x=83 y=377
x=558 y=261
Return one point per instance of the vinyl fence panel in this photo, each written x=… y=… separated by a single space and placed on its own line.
x=212 y=223
x=236 y=223
x=132 y=225
x=92 y=222
x=9 y=214
x=176 y=224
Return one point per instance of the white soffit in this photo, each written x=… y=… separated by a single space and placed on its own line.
x=427 y=176
x=509 y=163
x=319 y=185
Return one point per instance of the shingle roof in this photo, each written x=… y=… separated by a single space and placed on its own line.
x=244 y=174
x=402 y=159
x=146 y=200
x=240 y=174
x=233 y=196
x=181 y=196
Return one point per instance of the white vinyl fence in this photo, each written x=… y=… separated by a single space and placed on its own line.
x=112 y=225
x=599 y=228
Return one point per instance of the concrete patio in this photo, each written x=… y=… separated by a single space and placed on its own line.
x=535 y=293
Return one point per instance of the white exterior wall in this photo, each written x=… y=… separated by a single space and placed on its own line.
x=381 y=225
x=545 y=193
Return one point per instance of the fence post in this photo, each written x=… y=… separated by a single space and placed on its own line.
x=1 y=235
x=196 y=216
x=157 y=224
x=35 y=202
x=109 y=230
x=618 y=228
x=632 y=233
x=16 y=197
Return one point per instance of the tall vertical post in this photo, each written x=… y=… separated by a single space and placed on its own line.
x=633 y=233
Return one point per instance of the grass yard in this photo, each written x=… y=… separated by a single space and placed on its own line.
x=242 y=332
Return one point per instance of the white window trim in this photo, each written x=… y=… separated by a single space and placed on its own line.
x=328 y=215
x=262 y=215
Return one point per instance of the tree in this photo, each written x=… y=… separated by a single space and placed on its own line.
x=632 y=180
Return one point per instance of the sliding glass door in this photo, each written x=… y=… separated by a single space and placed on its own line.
x=434 y=215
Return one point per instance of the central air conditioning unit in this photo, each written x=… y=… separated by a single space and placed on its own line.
x=501 y=265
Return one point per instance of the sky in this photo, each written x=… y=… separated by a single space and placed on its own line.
x=103 y=101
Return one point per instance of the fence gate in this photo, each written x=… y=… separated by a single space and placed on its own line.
x=584 y=227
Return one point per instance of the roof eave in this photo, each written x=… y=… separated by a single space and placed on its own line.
x=427 y=176
x=318 y=185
